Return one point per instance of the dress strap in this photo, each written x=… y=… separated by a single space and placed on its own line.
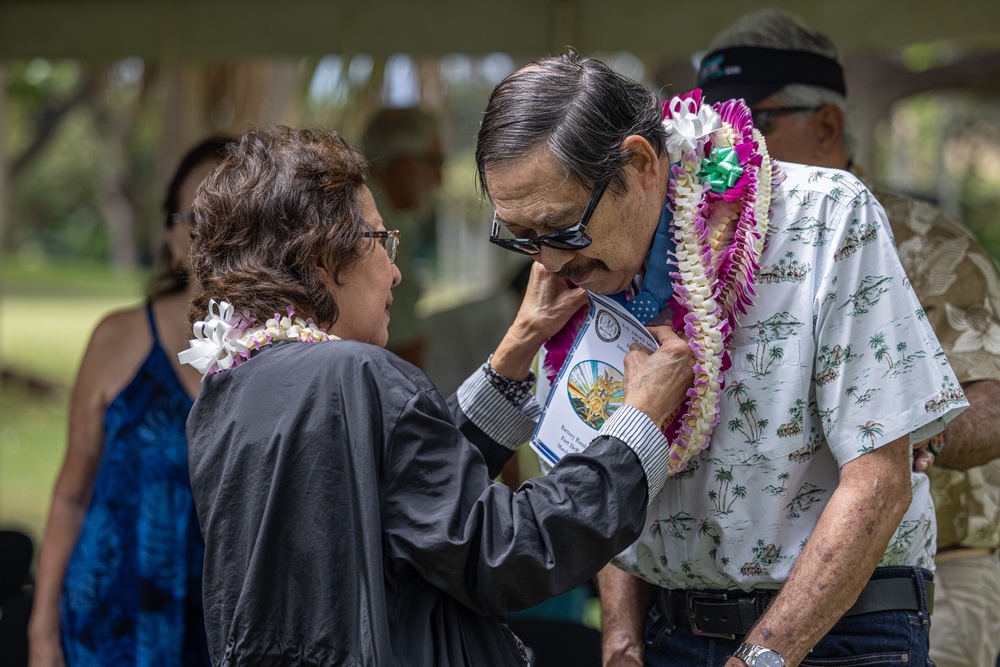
x=152 y=322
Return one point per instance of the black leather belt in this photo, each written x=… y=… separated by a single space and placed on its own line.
x=731 y=614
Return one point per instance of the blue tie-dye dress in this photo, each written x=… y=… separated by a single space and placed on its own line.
x=132 y=591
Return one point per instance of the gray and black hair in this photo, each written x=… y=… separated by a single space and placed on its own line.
x=777 y=29
x=579 y=108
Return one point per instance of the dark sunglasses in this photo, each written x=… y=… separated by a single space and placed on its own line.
x=389 y=241
x=571 y=238
x=762 y=118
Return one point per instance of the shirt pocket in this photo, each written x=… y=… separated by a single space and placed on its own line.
x=764 y=410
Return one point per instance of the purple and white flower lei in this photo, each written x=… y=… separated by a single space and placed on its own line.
x=224 y=340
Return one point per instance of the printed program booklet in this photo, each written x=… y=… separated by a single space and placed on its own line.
x=590 y=386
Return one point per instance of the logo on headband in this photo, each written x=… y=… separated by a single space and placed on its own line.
x=714 y=68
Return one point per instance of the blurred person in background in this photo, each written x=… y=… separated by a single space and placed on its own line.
x=791 y=78
x=403 y=147
x=119 y=577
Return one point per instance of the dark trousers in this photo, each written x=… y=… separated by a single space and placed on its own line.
x=867 y=640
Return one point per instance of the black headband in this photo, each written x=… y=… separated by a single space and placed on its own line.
x=753 y=73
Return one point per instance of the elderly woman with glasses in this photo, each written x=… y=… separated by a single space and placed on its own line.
x=347 y=508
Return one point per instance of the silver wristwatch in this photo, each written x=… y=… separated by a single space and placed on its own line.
x=758 y=656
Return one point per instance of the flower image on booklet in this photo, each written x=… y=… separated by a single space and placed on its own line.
x=590 y=386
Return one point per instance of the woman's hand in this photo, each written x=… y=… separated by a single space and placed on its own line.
x=656 y=382
x=547 y=306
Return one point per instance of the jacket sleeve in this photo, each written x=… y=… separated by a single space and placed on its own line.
x=490 y=421
x=493 y=549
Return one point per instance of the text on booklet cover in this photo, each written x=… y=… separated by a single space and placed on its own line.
x=590 y=386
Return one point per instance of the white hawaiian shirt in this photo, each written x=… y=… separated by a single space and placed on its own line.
x=835 y=360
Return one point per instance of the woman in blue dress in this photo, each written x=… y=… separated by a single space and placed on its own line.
x=119 y=577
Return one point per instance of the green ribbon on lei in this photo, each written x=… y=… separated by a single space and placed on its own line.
x=721 y=169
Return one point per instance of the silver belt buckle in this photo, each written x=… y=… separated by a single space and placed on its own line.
x=689 y=599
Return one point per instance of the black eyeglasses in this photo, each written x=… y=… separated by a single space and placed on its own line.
x=571 y=238
x=178 y=218
x=389 y=241
x=762 y=118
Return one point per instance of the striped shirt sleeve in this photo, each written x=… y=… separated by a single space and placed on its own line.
x=631 y=425
x=507 y=423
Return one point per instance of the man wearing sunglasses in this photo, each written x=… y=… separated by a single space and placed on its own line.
x=792 y=80
x=754 y=552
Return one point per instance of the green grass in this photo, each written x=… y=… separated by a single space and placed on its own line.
x=47 y=312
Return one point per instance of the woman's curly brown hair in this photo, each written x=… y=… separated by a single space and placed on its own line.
x=282 y=203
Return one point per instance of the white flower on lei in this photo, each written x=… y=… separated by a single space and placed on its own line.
x=215 y=341
x=688 y=125
x=224 y=340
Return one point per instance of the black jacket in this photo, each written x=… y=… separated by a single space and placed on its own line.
x=350 y=519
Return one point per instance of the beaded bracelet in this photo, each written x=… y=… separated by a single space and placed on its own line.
x=515 y=391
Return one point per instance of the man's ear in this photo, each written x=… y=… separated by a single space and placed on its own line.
x=643 y=159
x=830 y=127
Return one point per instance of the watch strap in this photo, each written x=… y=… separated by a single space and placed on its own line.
x=748 y=653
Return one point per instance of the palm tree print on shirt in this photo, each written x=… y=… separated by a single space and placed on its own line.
x=675 y=525
x=903 y=540
x=832 y=359
x=828 y=420
x=708 y=529
x=752 y=428
x=805 y=498
x=861 y=399
x=721 y=502
x=778 y=490
x=764 y=556
x=810 y=230
x=788 y=269
x=793 y=427
x=949 y=394
x=777 y=327
x=904 y=362
x=871 y=430
x=858 y=235
x=868 y=294
x=808 y=450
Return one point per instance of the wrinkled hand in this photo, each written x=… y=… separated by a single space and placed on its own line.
x=548 y=304
x=656 y=382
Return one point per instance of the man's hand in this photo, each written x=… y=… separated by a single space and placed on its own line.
x=548 y=304
x=656 y=382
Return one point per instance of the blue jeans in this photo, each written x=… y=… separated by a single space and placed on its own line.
x=867 y=640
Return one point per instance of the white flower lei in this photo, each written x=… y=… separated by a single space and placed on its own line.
x=224 y=340
x=719 y=240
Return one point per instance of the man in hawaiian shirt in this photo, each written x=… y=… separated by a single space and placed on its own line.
x=803 y=509
x=803 y=116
